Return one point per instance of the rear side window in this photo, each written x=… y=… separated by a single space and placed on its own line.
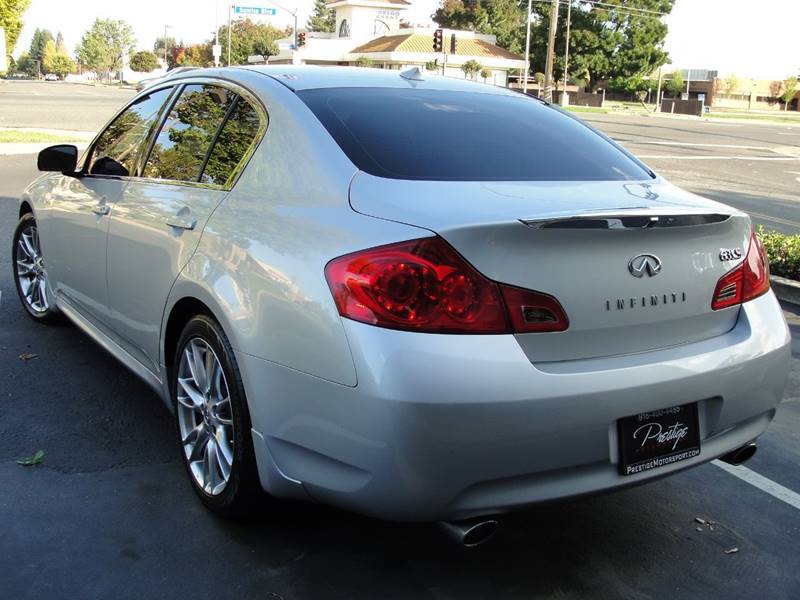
x=465 y=136
x=118 y=146
x=236 y=137
x=181 y=147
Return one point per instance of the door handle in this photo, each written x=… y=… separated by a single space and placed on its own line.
x=180 y=222
x=101 y=209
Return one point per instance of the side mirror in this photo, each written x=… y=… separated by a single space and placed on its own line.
x=62 y=158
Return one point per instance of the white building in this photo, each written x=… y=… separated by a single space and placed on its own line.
x=372 y=29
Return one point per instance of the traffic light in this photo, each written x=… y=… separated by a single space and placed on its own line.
x=453 y=43
x=301 y=39
x=437 y=40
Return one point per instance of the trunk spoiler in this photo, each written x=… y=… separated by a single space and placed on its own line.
x=629 y=218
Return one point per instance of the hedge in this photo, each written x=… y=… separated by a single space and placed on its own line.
x=783 y=252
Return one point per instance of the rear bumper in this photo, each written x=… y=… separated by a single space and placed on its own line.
x=449 y=427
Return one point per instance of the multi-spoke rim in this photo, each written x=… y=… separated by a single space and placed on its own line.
x=31 y=273
x=205 y=416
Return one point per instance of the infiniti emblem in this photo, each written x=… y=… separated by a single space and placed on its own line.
x=644 y=263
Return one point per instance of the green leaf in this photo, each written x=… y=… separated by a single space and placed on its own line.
x=32 y=461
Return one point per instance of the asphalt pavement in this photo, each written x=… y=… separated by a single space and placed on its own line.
x=109 y=513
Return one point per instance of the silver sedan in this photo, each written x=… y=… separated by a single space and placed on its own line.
x=414 y=297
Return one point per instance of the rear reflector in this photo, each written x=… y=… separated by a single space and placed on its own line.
x=747 y=281
x=424 y=285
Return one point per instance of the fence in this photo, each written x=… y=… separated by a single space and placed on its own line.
x=682 y=107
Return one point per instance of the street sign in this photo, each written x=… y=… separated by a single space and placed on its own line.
x=254 y=10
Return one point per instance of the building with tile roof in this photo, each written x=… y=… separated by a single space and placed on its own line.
x=374 y=29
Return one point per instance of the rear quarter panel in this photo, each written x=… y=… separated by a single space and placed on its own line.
x=260 y=262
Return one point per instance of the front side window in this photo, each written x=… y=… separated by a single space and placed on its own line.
x=118 y=146
x=182 y=145
x=233 y=142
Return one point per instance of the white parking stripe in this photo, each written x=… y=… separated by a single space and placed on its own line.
x=695 y=144
x=706 y=157
x=775 y=490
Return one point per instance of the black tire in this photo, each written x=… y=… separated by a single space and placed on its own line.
x=243 y=490
x=51 y=314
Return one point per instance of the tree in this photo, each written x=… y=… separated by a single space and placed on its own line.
x=11 y=12
x=364 y=61
x=789 y=90
x=25 y=64
x=486 y=73
x=731 y=84
x=38 y=42
x=431 y=65
x=606 y=41
x=248 y=39
x=322 y=18
x=144 y=61
x=196 y=55
x=55 y=62
x=61 y=46
x=103 y=46
x=675 y=85
x=471 y=68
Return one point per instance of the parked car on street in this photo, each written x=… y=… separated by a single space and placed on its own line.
x=51 y=77
x=418 y=298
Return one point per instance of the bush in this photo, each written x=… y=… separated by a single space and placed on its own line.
x=783 y=252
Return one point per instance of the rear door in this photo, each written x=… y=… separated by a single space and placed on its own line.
x=207 y=134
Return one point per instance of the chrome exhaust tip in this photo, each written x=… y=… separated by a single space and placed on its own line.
x=471 y=532
x=740 y=455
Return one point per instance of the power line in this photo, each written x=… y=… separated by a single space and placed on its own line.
x=627 y=10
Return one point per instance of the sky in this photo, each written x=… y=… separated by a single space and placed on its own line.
x=751 y=39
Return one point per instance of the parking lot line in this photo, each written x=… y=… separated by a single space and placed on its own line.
x=706 y=157
x=775 y=490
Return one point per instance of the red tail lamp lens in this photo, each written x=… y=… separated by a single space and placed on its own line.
x=747 y=281
x=425 y=285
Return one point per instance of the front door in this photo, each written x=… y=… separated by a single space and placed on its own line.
x=80 y=208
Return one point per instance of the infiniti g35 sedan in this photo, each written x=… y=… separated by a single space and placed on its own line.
x=417 y=298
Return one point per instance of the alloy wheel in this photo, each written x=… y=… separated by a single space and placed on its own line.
x=31 y=274
x=205 y=416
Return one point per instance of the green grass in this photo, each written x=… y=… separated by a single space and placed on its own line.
x=15 y=136
x=587 y=109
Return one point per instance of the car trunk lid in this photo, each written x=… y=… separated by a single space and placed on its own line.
x=633 y=264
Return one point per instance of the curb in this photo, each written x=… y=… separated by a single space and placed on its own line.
x=786 y=290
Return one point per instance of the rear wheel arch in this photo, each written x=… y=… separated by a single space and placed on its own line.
x=181 y=313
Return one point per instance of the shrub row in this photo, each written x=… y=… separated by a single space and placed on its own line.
x=783 y=251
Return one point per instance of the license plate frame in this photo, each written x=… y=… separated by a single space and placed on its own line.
x=658 y=438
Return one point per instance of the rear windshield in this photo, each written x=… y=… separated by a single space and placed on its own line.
x=465 y=136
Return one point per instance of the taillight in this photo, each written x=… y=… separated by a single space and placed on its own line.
x=425 y=285
x=747 y=281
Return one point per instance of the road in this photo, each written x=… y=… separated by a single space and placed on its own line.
x=58 y=105
x=110 y=513
x=754 y=167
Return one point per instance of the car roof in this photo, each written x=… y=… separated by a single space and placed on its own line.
x=307 y=77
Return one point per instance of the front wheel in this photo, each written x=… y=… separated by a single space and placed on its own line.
x=212 y=419
x=30 y=275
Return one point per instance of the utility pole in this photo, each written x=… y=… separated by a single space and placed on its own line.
x=166 y=64
x=230 y=10
x=566 y=51
x=658 y=91
x=527 y=50
x=551 y=46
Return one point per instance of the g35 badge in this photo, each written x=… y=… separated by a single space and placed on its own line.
x=730 y=253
